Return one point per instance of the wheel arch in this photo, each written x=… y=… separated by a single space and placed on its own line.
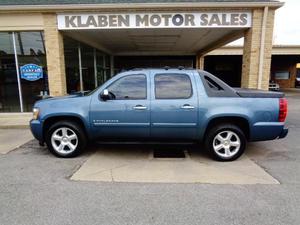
x=239 y=121
x=53 y=119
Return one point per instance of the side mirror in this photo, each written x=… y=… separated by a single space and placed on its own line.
x=105 y=95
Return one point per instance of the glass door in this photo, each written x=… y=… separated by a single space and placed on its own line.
x=31 y=51
x=9 y=93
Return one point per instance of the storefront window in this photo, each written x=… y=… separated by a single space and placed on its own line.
x=282 y=75
x=101 y=68
x=86 y=61
x=9 y=95
x=72 y=65
x=31 y=50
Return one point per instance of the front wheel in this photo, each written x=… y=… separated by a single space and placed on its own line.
x=65 y=139
x=225 y=142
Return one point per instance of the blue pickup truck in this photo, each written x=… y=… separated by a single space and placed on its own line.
x=161 y=105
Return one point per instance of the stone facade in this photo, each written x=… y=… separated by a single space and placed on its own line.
x=251 y=55
x=200 y=62
x=55 y=56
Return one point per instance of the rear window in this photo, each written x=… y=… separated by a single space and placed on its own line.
x=212 y=84
x=172 y=86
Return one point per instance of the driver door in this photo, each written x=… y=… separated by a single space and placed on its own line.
x=126 y=114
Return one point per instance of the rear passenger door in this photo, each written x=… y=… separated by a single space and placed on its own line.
x=174 y=105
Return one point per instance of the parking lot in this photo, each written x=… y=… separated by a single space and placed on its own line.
x=108 y=184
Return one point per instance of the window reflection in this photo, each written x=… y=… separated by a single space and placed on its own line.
x=95 y=66
x=31 y=50
x=172 y=86
x=129 y=87
x=9 y=95
x=30 y=43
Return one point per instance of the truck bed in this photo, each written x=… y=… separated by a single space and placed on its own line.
x=254 y=93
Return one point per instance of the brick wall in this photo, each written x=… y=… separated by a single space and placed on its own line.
x=250 y=68
x=55 y=56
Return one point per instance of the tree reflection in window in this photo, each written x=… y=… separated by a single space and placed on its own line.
x=129 y=87
x=172 y=86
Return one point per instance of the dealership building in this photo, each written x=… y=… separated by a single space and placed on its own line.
x=59 y=47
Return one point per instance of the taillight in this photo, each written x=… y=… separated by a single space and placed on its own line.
x=282 y=109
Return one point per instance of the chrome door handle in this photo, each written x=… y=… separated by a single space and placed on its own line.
x=186 y=106
x=140 y=107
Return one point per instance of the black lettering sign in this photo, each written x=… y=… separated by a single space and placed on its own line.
x=155 y=20
x=166 y=18
x=91 y=22
x=204 y=20
x=70 y=21
x=102 y=21
x=235 y=19
x=224 y=20
x=113 y=21
x=142 y=20
x=177 y=20
x=214 y=20
x=123 y=21
x=243 y=19
x=189 y=20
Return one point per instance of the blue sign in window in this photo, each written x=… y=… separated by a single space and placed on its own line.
x=31 y=72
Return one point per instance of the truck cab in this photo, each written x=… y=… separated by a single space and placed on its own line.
x=148 y=103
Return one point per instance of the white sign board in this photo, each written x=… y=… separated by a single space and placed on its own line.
x=154 y=20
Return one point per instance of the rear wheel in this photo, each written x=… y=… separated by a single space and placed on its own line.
x=65 y=139
x=225 y=142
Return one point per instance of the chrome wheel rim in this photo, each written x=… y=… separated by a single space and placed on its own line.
x=226 y=144
x=64 y=140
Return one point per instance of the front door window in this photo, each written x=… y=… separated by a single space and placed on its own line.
x=129 y=87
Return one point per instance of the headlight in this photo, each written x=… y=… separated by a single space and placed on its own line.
x=35 y=112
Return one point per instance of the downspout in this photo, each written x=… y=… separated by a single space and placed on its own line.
x=262 y=47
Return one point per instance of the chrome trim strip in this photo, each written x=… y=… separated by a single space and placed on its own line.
x=174 y=124
x=122 y=124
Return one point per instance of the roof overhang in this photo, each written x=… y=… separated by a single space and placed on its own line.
x=141 y=6
x=238 y=50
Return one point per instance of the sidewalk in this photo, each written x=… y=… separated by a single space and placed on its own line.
x=14 y=120
x=14 y=131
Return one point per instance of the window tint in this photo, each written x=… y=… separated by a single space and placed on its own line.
x=212 y=84
x=172 y=86
x=129 y=87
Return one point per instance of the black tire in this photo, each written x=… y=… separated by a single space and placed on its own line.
x=212 y=140
x=70 y=126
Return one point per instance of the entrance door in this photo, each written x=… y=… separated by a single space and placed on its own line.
x=174 y=106
x=127 y=112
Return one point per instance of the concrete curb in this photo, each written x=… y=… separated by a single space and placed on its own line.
x=14 y=126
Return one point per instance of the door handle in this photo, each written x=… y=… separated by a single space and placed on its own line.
x=187 y=106
x=140 y=107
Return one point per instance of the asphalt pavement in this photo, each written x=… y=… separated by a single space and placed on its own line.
x=35 y=189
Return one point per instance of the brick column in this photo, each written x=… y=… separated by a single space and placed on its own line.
x=200 y=62
x=55 y=56
x=251 y=55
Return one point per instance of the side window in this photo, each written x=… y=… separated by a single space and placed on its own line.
x=172 y=86
x=212 y=84
x=129 y=87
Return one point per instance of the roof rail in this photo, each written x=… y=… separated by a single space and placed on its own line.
x=165 y=67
